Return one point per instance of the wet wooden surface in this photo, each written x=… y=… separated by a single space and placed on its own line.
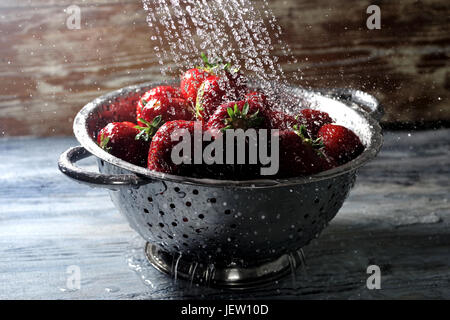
x=49 y=72
x=397 y=217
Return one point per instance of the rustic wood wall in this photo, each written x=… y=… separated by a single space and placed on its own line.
x=49 y=72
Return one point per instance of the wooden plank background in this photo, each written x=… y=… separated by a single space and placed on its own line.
x=49 y=72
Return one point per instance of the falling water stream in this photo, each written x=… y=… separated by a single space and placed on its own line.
x=242 y=32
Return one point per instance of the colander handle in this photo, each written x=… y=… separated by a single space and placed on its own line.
x=367 y=102
x=66 y=164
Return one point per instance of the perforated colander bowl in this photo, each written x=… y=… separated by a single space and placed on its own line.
x=235 y=234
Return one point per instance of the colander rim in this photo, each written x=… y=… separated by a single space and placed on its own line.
x=81 y=132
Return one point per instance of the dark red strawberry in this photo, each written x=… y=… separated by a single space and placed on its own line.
x=298 y=157
x=167 y=108
x=160 y=153
x=257 y=97
x=237 y=115
x=340 y=143
x=191 y=82
x=119 y=139
x=313 y=120
x=223 y=85
x=168 y=92
x=211 y=95
x=279 y=119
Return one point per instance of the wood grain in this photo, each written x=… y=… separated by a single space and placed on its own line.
x=49 y=72
x=397 y=217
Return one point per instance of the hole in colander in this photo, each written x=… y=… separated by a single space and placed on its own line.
x=329 y=186
x=300 y=230
x=188 y=204
x=212 y=200
x=150 y=199
x=201 y=216
x=146 y=210
x=233 y=226
x=185 y=244
x=169 y=236
x=174 y=224
x=185 y=219
x=176 y=248
x=161 y=213
x=176 y=189
x=161 y=225
x=172 y=206
x=316 y=200
x=228 y=211
x=306 y=216
x=195 y=191
x=198 y=230
x=150 y=225
x=185 y=236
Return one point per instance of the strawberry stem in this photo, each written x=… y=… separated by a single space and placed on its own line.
x=104 y=143
x=149 y=129
x=241 y=119
x=317 y=144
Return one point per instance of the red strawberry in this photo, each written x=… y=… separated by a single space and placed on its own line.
x=277 y=119
x=280 y=120
x=211 y=95
x=298 y=157
x=257 y=97
x=119 y=139
x=221 y=86
x=168 y=108
x=313 y=120
x=168 y=92
x=340 y=143
x=191 y=82
x=237 y=115
x=160 y=153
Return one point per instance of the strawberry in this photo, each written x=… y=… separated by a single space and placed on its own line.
x=277 y=119
x=168 y=108
x=340 y=143
x=191 y=82
x=221 y=86
x=257 y=97
x=313 y=120
x=299 y=157
x=237 y=115
x=168 y=92
x=280 y=120
x=160 y=153
x=211 y=95
x=119 y=139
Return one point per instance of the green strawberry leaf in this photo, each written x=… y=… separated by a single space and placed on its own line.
x=149 y=129
x=104 y=143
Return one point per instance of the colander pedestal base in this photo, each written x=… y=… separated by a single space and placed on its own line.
x=231 y=277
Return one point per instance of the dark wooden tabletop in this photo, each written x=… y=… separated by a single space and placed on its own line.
x=397 y=217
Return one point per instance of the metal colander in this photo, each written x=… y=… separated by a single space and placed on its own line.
x=235 y=234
